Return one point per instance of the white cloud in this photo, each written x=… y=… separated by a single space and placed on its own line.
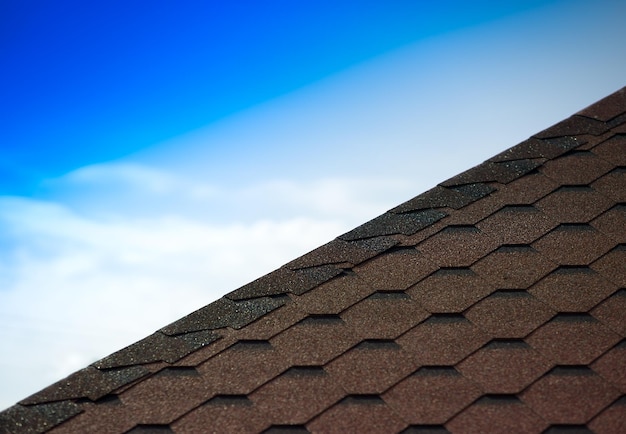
x=79 y=286
x=118 y=250
x=120 y=190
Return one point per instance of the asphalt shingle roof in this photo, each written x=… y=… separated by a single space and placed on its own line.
x=495 y=302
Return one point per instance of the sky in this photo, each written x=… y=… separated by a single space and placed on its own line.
x=157 y=155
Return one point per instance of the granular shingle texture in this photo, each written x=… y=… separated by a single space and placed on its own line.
x=494 y=302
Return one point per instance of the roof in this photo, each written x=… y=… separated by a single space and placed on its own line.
x=494 y=302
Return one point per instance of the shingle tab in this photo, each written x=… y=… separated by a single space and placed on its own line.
x=537 y=148
x=613 y=150
x=611 y=312
x=574 y=244
x=572 y=289
x=443 y=340
x=283 y=281
x=371 y=367
x=224 y=313
x=89 y=383
x=574 y=339
x=574 y=204
x=433 y=395
x=504 y=367
x=391 y=223
x=339 y=251
x=442 y=248
x=517 y=224
x=501 y=415
x=37 y=419
x=493 y=302
x=297 y=396
x=502 y=172
x=384 y=315
x=450 y=290
x=397 y=270
x=612 y=419
x=576 y=168
x=569 y=395
x=509 y=314
x=358 y=416
x=438 y=197
x=573 y=126
x=612 y=366
x=608 y=108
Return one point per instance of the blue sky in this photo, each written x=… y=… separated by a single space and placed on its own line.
x=85 y=83
x=156 y=155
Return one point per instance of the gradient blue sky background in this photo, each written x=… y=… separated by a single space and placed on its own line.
x=156 y=155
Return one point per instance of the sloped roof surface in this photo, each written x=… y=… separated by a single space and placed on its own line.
x=494 y=302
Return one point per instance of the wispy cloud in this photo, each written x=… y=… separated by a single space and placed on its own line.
x=118 y=250
x=93 y=285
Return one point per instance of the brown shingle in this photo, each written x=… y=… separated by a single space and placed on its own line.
x=573 y=339
x=613 y=265
x=475 y=212
x=441 y=197
x=569 y=395
x=450 y=290
x=526 y=190
x=443 y=248
x=612 y=366
x=315 y=340
x=608 y=108
x=612 y=419
x=234 y=413
x=339 y=251
x=502 y=172
x=335 y=296
x=392 y=223
x=576 y=168
x=509 y=314
x=384 y=315
x=612 y=223
x=432 y=395
x=572 y=289
x=398 y=269
x=574 y=204
x=442 y=340
x=494 y=302
x=619 y=128
x=537 y=148
x=89 y=382
x=517 y=224
x=613 y=184
x=574 y=244
x=613 y=150
x=165 y=397
x=573 y=126
x=273 y=323
x=371 y=367
x=514 y=267
x=357 y=414
x=611 y=312
x=242 y=367
x=283 y=281
x=297 y=396
x=498 y=415
x=109 y=416
x=504 y=367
